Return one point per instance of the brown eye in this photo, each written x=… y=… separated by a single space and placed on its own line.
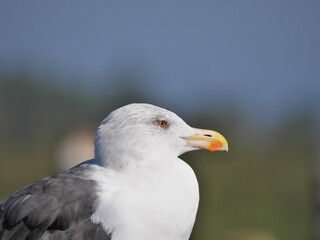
x=162 y=123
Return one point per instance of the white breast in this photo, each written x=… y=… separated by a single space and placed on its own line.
x=148 y=203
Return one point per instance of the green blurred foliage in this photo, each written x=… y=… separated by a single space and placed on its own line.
x=263 y=184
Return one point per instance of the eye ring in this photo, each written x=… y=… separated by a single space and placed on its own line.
x=162 y=124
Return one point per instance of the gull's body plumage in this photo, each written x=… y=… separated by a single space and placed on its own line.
x=135 y=188
x=165 y=200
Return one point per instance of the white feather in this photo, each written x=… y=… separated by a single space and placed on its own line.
x=144 y=190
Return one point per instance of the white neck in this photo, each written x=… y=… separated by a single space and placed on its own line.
x=143 y=197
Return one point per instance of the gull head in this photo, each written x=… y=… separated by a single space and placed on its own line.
x=143 y=133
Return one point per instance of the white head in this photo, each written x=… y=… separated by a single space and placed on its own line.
x=133 y=133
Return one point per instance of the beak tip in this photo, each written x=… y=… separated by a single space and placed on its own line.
x=222 y=149
x=227 y=148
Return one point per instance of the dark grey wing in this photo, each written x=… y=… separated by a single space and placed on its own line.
x=57 y=207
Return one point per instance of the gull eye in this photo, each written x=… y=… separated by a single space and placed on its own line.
x=162 y=123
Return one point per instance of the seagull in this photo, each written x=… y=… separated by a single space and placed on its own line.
x=135 y=188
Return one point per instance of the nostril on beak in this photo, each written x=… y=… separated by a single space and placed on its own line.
x=208 y=135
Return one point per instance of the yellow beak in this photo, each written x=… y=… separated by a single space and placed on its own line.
x=207 y=139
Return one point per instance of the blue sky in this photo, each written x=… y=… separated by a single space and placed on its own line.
x=263 y=56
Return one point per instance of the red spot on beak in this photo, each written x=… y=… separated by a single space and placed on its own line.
x=215 y=146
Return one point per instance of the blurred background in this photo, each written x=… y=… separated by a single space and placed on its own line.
x=248 y=69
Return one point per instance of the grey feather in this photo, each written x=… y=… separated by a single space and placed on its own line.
x=57 y=207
